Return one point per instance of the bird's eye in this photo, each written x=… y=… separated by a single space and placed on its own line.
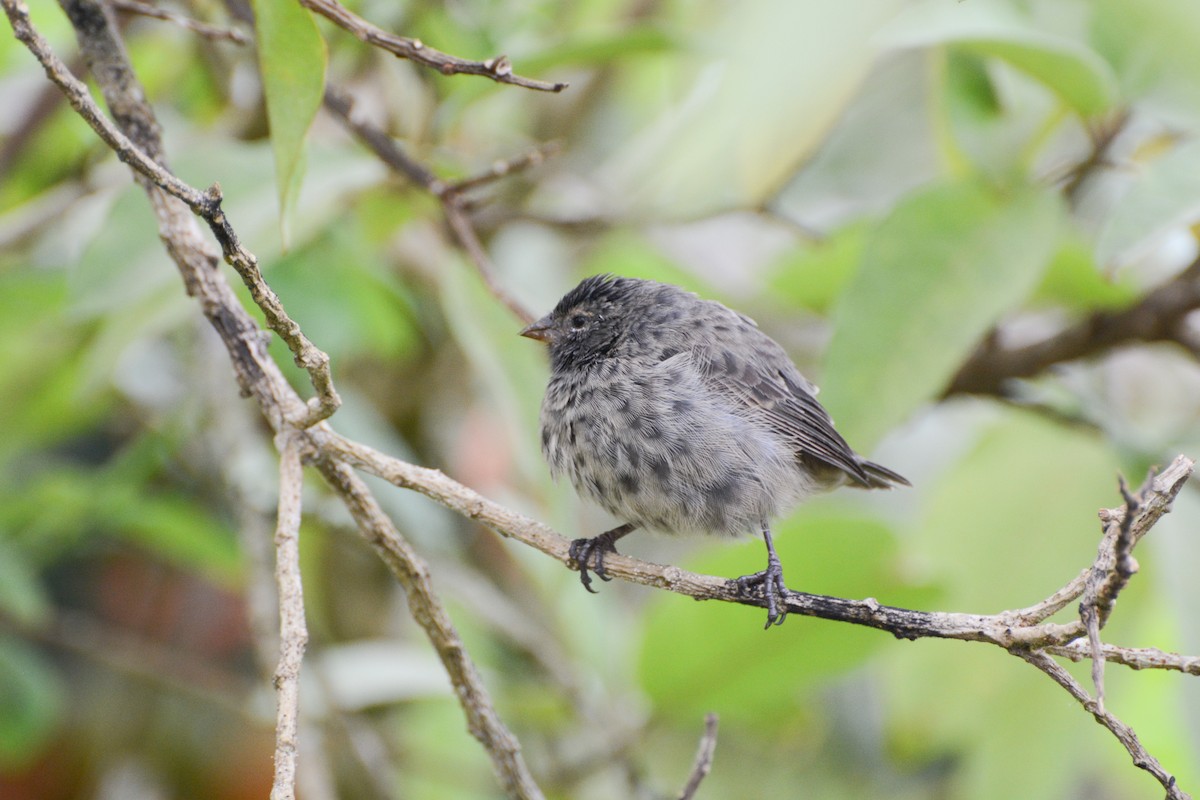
x=578 y=322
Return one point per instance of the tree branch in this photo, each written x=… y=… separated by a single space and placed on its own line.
x=448 y=194
x=1156 y=317
x=1008 y=629
x=425 y=607
x=199 y=28
x=1124 y=734
x=293 y=633
x=704 y=758
x=498 y=69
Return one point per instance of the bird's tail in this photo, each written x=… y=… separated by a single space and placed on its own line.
x=880 y=477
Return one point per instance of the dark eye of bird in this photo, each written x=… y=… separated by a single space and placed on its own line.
x=578 y=322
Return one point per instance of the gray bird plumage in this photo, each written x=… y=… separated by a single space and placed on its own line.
x=679 y=415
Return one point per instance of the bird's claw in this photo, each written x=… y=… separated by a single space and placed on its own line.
x=774 y=591
x=589 y=554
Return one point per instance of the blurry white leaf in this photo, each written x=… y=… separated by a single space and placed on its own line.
x=370 y=673
x=1166 y=198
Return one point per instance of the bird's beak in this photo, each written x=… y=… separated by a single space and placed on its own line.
x=540 y=330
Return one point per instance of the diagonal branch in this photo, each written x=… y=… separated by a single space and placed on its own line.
x=425 y=607
x=1123 y=733
x=704 y=758
x=1156 y=317
x=1006 y=629
x=1022 y=633
x=498 y=69
x=195 y=26
x=449 y=195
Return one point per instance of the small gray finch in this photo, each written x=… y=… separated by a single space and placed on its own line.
x=677 y=414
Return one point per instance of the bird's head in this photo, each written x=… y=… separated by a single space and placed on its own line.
x=590 y=320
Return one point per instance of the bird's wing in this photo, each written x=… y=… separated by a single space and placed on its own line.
x=747 y=368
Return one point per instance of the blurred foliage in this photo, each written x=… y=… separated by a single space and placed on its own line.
x=878 y=182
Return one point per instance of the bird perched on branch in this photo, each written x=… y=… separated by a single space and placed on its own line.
x=679 y=415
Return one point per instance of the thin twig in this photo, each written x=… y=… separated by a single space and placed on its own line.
x=504 y=168
x=448 y=194
x=1102 y=136
x=1132 y=657
x=498 y=69
x=469 y=240
x=195 y=26
x=704 y=758
x=1110 y=573
x=293 y=633
x=1123 y=733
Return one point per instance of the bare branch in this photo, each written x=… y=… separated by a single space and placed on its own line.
x=448 y=194
x=1133 y=657
x=503 y=169
x=498 y=69
x=1022 y=633
x=469 y=240
x=1124 y=734
x=1110 y=573
x=195 y=26
x=1154 y=318
x=425 y=607
x=1007 y=629
x=704 y=758
x=1102 y=134
x=293 y=633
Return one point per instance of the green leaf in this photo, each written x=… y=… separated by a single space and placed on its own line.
x=1083 y=80
x=1073 y=280
x=30 y=703
x=716 y=656
x=1166 y=199
x=292 y=58
x=56 y=507
x=21 y=594
x=44 y=399
x=813 y=275
x=936 y=275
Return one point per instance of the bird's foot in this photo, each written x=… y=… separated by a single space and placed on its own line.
x=774 y=590
x=589 y=554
